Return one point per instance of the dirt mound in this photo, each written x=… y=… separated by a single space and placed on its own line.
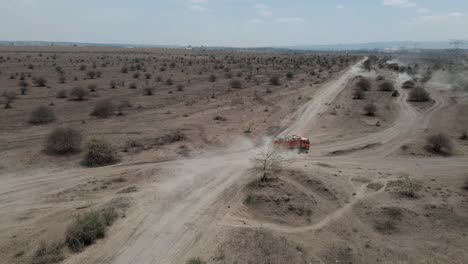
x=258 y=246
x=281 y=202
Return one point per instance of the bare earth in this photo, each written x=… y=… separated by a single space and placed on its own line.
x=332 y=205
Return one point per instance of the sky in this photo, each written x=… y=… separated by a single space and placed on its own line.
x=237 y=23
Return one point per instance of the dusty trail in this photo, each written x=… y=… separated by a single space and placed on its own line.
x=174 y=212
x=165 y=230
x=409 y=122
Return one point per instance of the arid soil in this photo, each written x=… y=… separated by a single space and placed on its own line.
x=183 y=183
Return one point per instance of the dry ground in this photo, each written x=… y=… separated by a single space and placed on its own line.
x=341 y=203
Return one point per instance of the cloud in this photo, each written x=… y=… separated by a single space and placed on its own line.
x=197 y=8
x=263 y=10
x=198 y=1
x=290 y=20
x=436 y=18
x=340 y=6
x=257 y=21
x=399 y=3
x=422 y=10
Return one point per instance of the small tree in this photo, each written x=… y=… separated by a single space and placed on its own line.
x=439 y=143
x=9 y=98
x=103 y=108
x=124 y=104
x=92 y=87
x=148 y=90
x=91 y=74
x=62 y=94
x=419 y=94
x=99 y=153
x=267 y=163
x=236 y=84
x=169 y=81
x=387 y=86
x=289 y=75
x=63 y=141
x=78 y=93
x=358 y=94
x=370 y=109
x=364 y=84
x=40 y=81
x=42 y=115
x=23 y=87
x=212 y=78
x=275 y=80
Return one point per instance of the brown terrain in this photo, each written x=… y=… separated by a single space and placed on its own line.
x=369 y=191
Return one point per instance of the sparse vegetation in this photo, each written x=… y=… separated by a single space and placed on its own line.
x=196 y=261
x=370 y=109
x=63 y=141
x=236 y=84
x=267 y=163
x=439 y=144
x=275 y=80
x=23 y=87
x=409 y=187
x=87 y=228
x=103 y=108
x=359 y=94
x=419 y=94
x=41 y=115
x=48 y=253
x=78 y=93
x=40 y=81
x=363 y=84
x=99 y=153
x=387 y=86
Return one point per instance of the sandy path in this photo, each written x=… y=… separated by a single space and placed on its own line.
x=166 y=228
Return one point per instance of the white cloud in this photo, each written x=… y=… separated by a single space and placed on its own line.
x=198 y=1
x=422 y=10
x=340 y=6
x=257 y=21
x=197 y=8
x=436 y=18
x=263 y=10
x=399 y=3
x=290 y=20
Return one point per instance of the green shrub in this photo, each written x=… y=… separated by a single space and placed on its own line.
x=275 y=80
x=236 y=84
x=370 y=109
x=212 y=78
x=78 y=93
x=99 y=153
x=419 y=94
x=42 y=115
x=48 y=254
x=103 y=108
x=364 y=84
x=62 y=94
x=196 y=261
x=84 y=230
x=63 y=141
x=386 y=86
x=40 y=82
x=439 y=144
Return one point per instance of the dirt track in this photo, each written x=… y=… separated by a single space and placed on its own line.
x=176 y=211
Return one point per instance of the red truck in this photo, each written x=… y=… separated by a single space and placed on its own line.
x=301 y=144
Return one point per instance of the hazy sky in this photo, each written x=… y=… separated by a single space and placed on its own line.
x=233 y=22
